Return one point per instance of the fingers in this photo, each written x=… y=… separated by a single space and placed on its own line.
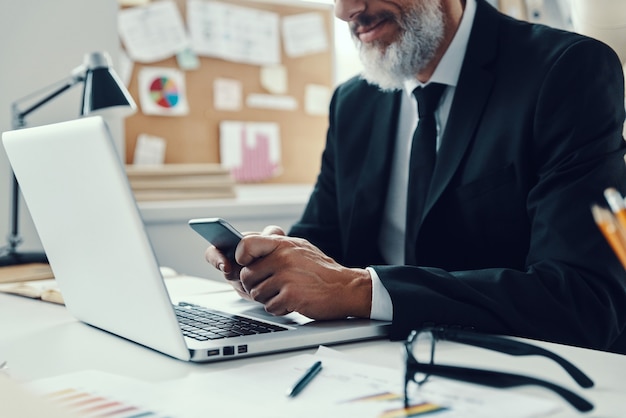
x=273 y=230
x=271 y=292
x=253 y=247
x=218 y=260
x=232 y=271
x=249 y=275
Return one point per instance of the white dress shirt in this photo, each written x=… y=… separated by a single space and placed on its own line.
x=391 y=241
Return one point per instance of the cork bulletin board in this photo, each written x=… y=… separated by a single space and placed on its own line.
x=194 y=137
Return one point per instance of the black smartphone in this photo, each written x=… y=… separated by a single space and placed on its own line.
x=218 y=232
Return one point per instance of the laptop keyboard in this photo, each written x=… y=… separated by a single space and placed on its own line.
x=204 y=324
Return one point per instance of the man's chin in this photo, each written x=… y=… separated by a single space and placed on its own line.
x=376 y=70
x=383 y=82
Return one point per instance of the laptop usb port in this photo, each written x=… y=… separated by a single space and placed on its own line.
x=214 y=352
x=241 y=349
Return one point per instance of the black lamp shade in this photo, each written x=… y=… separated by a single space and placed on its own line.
x=105 y=93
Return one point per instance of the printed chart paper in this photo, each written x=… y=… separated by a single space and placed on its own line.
x=234 y=33
x=91 y=394
x=251 y=150
x=304 y=34
x=162 y=91
x=345 y=388
x=153 y=32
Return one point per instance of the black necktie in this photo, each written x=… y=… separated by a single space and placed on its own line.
x=422 y=163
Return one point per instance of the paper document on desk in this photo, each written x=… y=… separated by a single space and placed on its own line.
x=17 y=402
x=94 y=393
x=342 y=388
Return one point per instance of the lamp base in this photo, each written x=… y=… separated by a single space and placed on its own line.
x=14 y=259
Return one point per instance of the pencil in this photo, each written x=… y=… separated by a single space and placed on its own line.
x=609 y=227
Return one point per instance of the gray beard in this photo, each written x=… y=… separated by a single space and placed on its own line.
x=390 y=67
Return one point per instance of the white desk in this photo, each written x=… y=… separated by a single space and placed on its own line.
x=40 y=339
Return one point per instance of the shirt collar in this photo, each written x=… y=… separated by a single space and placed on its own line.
x=449 y=68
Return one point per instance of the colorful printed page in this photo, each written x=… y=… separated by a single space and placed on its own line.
x=93 y=393
x=341 y=388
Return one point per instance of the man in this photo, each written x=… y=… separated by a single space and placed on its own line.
x=528 y=137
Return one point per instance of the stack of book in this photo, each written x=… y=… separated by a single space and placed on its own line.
x=180 y=182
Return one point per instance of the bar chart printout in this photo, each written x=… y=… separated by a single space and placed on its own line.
x=100 y=395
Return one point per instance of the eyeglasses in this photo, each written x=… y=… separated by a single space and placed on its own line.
x=420 y=363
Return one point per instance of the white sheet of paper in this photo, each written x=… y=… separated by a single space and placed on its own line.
x=316 y=99
x=234 y=33
x=20 y=402
x=104 y=392
x=149 y=150
x=343 y=388
x=271 y=101
x=152 y=32
x=304 y=34
x=227 y=94
x=162 y=91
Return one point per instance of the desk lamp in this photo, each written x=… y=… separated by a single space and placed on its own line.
x=103 y=94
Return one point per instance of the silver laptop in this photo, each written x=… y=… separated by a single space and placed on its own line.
x=76 y=189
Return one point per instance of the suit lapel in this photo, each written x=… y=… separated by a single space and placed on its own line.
x=472 y=92
x=371 y=189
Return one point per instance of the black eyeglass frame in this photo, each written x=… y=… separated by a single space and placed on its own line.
x=488 y=377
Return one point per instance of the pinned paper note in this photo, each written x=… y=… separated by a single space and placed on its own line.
x=227 y=94
x=149 y=150
x=234 y=33
x=153 y=32
x=304 y=34
x=274 y=79
x=316 y=99
x=271 y=101
x=251 y=150
x=162 y=91
x=187 y=59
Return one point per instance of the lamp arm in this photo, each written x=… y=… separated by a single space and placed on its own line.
x=19 y=115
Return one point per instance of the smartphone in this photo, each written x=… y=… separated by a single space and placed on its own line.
x=218 y=232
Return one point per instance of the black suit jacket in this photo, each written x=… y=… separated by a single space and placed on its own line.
x=507 y=243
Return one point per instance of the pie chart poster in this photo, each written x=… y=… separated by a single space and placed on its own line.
x=162 y=92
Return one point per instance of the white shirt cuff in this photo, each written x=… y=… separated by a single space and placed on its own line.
x=382 y=308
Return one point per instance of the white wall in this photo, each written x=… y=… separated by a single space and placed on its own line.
x=41 y=41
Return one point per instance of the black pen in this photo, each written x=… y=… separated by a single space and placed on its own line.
x=305 y=379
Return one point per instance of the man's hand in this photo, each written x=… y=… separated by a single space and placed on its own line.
x=291 y=275
x=231 y=271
